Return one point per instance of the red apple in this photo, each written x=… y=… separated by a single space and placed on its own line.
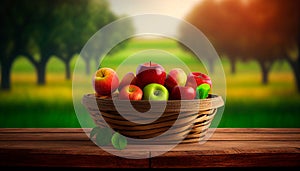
x=105 y=81
x=194 y=79
x=150 y=72
x=128 y=79
x=131 y=92
x=183 y=93
x=175 y=77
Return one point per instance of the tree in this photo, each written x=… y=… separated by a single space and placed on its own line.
x=14 y=34
x=77 y=29
x=99 y=15
x=281 y=28
x=271 y=31
x=28 y=31
x=71 y=33
x=100 y=42
x=117 y=32
x=44 y=26
x=219 y=22
x=5 y=57
x=40 y=29
x=263 y=30
x=108 y=41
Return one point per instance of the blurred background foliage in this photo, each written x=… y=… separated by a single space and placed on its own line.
x=257 y=40
x=41 y=29
x=262 y=30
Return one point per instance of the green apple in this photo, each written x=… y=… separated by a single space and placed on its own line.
x=202 y=91
x=154 y=91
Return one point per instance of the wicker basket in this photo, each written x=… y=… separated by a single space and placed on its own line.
x=186 y=120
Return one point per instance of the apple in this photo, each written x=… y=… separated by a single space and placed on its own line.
x=202 y=91
x=195 y=79
x=183 y=93
x=155 y=91
x=175 y=77
x=105 y=81
x=128 y=79
x=150 y=72
x=130 y=92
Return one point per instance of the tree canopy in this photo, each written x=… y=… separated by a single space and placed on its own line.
x=263 y=30
x=41 y=29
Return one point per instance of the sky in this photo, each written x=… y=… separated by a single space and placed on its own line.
x=173 y=8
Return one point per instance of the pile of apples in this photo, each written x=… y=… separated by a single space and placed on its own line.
x=151 y=82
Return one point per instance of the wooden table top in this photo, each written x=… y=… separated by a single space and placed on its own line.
x=228 y=147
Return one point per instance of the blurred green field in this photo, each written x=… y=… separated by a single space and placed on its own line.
x=248 y=102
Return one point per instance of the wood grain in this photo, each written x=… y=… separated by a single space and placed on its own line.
x=227 y=147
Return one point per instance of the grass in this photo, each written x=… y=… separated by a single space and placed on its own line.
x=248 y=102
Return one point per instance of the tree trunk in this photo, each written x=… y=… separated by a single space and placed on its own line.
x=265 y=78
x=41 y=73
x=68 y=69
x=265 y=68
x=295 y=65
x=5 y=71
x=40 y=66
x=233 y=65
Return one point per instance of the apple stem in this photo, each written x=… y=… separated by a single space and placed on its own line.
x=150 y=63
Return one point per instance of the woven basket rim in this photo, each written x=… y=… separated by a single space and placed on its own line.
x=115 y=95
x=213 y=101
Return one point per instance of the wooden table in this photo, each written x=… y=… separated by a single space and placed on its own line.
x=228 y=147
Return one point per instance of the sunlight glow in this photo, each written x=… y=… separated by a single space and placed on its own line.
x=174 y=8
